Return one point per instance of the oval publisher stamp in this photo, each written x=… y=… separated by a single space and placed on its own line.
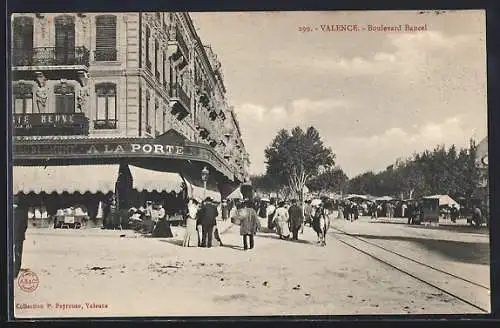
x=28 y=281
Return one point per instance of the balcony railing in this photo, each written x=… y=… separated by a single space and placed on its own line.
x=176 y=91
x=105 y=55
x=105 y=124
x=50 y=56
x=182 y=43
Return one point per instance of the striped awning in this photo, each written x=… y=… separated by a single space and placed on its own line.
x=200 y=193
x=149 y=180
x=71 y=178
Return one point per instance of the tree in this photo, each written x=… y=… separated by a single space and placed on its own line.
x=295 y=157
x=332 y=180
x=262 y=183
x=449 y=171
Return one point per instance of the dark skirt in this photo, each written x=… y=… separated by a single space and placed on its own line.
x=162 y=229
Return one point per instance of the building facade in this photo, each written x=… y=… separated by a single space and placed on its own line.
x=121 y=76
x=482 y=192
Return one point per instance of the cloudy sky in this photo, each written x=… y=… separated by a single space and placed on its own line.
x=373 y=96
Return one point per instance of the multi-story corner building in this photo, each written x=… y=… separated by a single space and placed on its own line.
x=482 y=191
x=114 y=88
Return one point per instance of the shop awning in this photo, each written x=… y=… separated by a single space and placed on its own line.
x=70 y=178
x=150 y=180
x=199 y=193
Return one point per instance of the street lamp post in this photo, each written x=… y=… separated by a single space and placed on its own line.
x=204 y=178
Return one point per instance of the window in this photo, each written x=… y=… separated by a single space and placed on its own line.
x=22 y=41
x=164 y=114
x=65 y=98
x=23 y=99
x=148 y=124
x=157 y=117
x=106 y=106
x=166 y=74
x=65 y=40
x=148 y=36
x=157 y=72
x=105 y=42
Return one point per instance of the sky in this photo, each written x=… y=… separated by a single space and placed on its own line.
x=374 y=96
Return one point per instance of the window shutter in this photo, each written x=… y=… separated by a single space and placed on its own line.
x=105 y=38
x=65 y=39
x=23 y=33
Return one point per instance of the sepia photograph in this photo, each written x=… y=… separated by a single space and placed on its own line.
x=200 y=164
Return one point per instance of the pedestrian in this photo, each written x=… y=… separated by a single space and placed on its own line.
x=477 y=216
x=216 y=236
x=207 y=219
x=454 y=213
x=404 y=207
x=249 y=225
x=296 y=219
x=20 y=226
x=280 y=220
x=224 y=210
x=411 y=212
x=270 y=210
x=191 y=235
x=308 y=213
x=162 y=226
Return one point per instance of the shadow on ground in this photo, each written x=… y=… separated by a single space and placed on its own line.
x=474 y=253
x=462 y=228
x=269 y=236
x=179 y=243
x=455 y=228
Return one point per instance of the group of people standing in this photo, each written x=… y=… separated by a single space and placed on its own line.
x=201 y=224
x=286 y=219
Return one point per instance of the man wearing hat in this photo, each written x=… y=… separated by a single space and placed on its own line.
x=20 y=225
x=207 y=219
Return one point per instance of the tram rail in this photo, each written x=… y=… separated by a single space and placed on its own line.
x=475 y=294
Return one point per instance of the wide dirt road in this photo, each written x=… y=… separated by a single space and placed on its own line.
x=136 y=276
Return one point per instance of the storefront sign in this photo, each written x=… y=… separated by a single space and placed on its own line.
x=50 y=124
x=32 y=150
x=103 y=149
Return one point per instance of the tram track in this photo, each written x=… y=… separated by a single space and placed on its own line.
x=467 y=291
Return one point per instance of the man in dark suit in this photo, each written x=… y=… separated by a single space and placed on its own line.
x=20 y=225
x=207 y=216
x=296 y=219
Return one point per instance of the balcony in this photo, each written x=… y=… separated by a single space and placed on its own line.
x=213 y=115
x=102 y=55
x=180 y=102
x=182 y=44
x=105 y=124
x=51 y=56
x=50 y=124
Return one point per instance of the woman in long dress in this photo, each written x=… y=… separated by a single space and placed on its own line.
x=281 y=221
x=191 y=236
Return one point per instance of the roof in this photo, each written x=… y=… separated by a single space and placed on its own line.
x=443 y=200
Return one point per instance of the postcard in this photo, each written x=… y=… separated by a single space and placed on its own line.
x=206 y=164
